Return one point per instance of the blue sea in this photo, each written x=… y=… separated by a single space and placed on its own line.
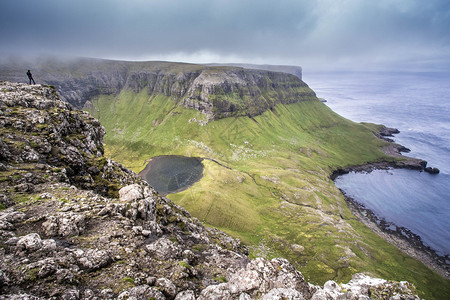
x=418 y=104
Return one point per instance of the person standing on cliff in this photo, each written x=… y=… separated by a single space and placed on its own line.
x=30 y=77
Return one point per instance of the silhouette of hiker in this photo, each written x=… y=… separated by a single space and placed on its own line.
x=30 y=77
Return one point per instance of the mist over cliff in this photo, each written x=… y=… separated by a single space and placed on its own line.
x=218 y=91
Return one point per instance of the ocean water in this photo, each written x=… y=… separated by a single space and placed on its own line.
x=418 y=104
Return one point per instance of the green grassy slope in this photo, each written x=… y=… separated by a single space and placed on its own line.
x=275 y=192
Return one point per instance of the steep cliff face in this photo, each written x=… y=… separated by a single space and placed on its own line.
x=217 y=91
x=223 y=91
x=236 y=92
x=294 y=70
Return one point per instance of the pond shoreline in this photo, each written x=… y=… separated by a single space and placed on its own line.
x=174 y=177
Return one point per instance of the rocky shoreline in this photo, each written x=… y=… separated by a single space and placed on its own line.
x=393 y=150
x=401 y=237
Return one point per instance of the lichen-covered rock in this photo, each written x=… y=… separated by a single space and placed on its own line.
x=216 y=292
x=30 y=242
x=92 y=259
x=12 y=216
x=362 y=286
x=259 y=277
x=142 y=292
x=283 y=294
x=265 y=275
x=5 y=225
x=131 y=192
x=167 y=287
x=5 y=200
x=163 y=248
x=71 y=294
x=64 y=224
x=186 y=295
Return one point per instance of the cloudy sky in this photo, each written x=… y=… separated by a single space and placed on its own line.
x=316 y=34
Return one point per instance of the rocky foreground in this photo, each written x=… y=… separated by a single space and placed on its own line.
x=76 y=225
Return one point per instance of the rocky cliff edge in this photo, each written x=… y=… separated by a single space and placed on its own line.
x=76 y=225
x=217 y=91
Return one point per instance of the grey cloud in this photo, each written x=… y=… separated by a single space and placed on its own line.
x=287 y=31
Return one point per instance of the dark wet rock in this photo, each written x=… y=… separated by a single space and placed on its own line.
x=386 y=131
x=432 y=170
x=392 y=149
x=94 y=170
x=403 y=149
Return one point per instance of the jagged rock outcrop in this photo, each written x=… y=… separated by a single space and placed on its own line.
x=75 y=225
x=217 y=91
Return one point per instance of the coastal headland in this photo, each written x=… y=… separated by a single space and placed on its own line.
x=276 y=146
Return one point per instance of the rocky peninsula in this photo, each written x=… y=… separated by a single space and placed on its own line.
x=76 y=225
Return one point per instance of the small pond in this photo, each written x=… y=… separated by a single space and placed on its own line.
x=170 y=174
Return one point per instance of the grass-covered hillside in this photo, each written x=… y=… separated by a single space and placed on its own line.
x=271 y=185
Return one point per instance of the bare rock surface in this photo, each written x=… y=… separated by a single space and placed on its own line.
x=80 y=226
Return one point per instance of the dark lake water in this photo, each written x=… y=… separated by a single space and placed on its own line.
x=418 y=104
x=172 y=174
